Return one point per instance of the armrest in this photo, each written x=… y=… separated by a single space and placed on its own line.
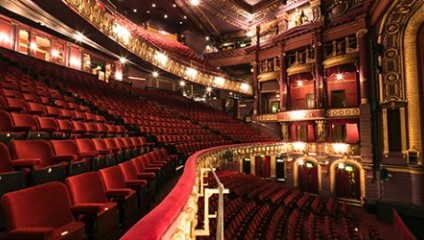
x=160 y=162
x=118 y=192
x=89 y=154
x=114 y=149
x=146 y=175
x=25 y=162
x=136 y=183
x=155 y=165
x=34 y=233
x=86 y=208
x=22 y=128
x=104 y=151
x=65 y=158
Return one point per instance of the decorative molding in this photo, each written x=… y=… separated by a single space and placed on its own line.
x=268 y=76
x=299 y=68
x=391 y=37
x=342 y=112
x=105 y=20
x=301 y=115
x=267 y=117
x=341 y=60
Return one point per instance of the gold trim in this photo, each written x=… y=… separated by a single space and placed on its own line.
x=405 y=170
x=343 y=112
x=412 y=83
x=299 y=68
x=385 y=133
x=340 y=60
x=268 y=76
x=403 y=129
x=267 y=117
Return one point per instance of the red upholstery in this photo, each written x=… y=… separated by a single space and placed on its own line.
x=67 y=150
x=88 y=195
x=50 y=219
x=130 y=200
x=37 y=154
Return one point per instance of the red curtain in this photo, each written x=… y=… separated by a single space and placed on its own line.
x=313 y=180
x=352 y=134
x=258 y=166
x=266 y=167
x=293 y=131
x=311 y=132
x=302 y=178
x=342 y=183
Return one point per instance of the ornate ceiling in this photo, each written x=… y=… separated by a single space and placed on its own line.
x=210 y=17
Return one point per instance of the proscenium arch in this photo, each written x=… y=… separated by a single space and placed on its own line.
x=296 y=168
x=412 y=79
x=399 y=81
x=333 y=169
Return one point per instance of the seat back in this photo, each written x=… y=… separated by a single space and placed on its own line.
x=33 y=149
x=64 y=147
x=5 y=165
x=85 y=145
x=113 y=177
x=128 y=170
x=53 y=207
x=86 y=188
x=5 y=121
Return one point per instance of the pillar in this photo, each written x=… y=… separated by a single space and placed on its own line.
x=318 y=72
x=364 y=63
x=283 y=81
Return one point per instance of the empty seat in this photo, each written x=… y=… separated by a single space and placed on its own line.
x=39 y=156
x=128 y=202
x=7 y=132
x=119 y=152
x=67 y=150
x=89 y=199
x=135 y=181
x=27 y=123
x=51 y=218
x=100 y=159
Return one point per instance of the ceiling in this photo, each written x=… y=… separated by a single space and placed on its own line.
x=211 y=17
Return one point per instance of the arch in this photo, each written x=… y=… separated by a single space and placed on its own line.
x=296 y=170
x=333 y=168
x=398 y=35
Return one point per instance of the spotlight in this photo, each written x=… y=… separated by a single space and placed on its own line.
x=194 y=2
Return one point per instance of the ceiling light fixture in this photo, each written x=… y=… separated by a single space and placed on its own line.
x=182 y=83
x=153 y=4
x=155 y=74
x=122 y=60
x=185 y=17
x=181 y=22
x=194 y=2
x=207 y=38
x=208 y=89
x=165 y=16
x=135 y=10
x=339 y=76
x=174 y=5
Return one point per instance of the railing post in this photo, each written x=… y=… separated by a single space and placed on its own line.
x=220 y=216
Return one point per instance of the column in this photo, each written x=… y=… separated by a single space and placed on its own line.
x=256 y=92
x=318 y=72
x=283 y=81
x=361 y=36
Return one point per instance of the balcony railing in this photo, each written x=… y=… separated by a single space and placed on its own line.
x=175 y=217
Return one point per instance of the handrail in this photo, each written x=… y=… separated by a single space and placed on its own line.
x=176 y=214
x=220 y=215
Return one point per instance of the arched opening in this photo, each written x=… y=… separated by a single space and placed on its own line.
x=307 y=175
x=263 y=166
x=347 y=179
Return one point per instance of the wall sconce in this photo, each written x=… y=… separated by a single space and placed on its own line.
x=299 y=146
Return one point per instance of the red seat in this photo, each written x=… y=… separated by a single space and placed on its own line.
x=67 y=150
x=27 y=123
x=36 y=108
x=16 y=105
x=50 y=219
x=65 y=126
x=89 y=198
x=100 y=159
x=7 y=132
x=119 y=152
x=49 y=125
x=38 y=155
x=129 y=202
